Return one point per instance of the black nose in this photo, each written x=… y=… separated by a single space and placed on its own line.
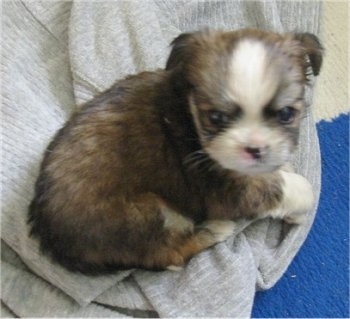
x=256 y=152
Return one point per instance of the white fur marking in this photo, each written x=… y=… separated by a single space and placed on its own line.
x=253 y=79
x=298 y=198
x=220 y=229
x=176 y=221
x=175 y=268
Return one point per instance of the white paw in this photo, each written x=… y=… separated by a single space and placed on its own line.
x=174 y=268
x=297 y=194
x=297 y=199
x=220 y=229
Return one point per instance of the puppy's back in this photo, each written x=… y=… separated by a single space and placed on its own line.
x=102 y=156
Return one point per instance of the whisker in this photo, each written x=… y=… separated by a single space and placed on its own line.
x=193 y=156
x=199 y=161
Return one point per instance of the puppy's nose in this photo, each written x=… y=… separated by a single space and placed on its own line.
x=255 y=152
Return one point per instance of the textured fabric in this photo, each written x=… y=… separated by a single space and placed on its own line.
x=316 y=284
x=57 y=55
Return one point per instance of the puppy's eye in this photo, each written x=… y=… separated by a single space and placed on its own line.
x=286 y=115
x=218 y=118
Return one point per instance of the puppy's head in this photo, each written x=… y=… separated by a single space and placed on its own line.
x=245 y=90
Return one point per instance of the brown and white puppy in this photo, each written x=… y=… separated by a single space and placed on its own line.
x=155 y=169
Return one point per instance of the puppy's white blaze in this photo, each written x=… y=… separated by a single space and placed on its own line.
x=250 y=134
x=253 y=80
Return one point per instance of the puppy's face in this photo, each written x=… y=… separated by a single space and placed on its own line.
x=245 y=92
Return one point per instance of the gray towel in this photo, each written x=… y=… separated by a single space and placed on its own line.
x=57 y=55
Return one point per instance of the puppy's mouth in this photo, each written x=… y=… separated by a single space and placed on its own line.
x=253 y=166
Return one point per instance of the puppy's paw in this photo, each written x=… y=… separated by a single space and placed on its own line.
x=297 y=193
x=175 y=268
x=219 y=229
x=298 y=198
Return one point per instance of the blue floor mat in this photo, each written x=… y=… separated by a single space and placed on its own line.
x=317 y=282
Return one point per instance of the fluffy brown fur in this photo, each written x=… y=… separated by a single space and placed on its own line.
x=127 y=181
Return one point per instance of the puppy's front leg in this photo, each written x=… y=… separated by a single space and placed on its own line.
x=297 y=198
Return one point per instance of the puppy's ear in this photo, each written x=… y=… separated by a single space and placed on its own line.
x=313 y=49
x=180 y=50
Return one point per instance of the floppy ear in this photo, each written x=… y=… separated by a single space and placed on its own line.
x=313 y=49
x=180 y=50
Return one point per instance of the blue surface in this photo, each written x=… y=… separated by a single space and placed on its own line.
x=317 y=282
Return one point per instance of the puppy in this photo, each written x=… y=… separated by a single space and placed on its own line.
x=157 y=168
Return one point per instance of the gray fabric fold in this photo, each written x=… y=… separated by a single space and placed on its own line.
x=57 y=55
